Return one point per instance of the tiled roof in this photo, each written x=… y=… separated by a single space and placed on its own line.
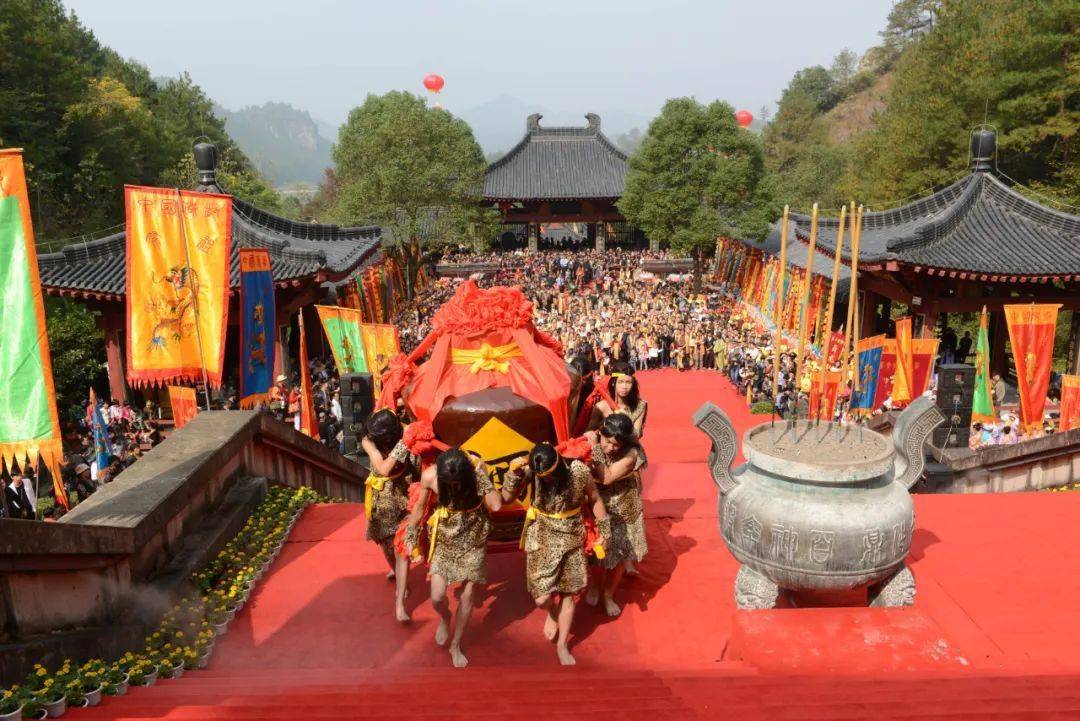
x=796 y=252
x=558 y=164
x=977 y=224
x=297 y=250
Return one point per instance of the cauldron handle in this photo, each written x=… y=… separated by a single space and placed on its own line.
x=909 y=436
x=714 y=423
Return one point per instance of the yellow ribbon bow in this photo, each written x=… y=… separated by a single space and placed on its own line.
x=372 y=485
x=433 y=524
x=486 y=358
x=534 y=513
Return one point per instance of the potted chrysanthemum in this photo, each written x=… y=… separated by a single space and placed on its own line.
x=116 y=679
x=11 y=704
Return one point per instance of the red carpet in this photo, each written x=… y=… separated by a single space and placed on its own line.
x=993 y=633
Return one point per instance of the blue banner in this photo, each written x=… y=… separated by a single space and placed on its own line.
x=102 y=443
x=258 y=326
x=868 y=367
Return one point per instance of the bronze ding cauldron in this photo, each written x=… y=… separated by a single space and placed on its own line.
x=819 y=508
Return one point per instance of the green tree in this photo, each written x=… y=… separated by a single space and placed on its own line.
x=76 y=347
x=1012 y=62
x=414 y=170
x=698 y=176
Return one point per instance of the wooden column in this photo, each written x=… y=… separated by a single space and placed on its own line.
x=601 y=237
x=1072 y=362
x=113 y=328
x=999 y=333
x=868 y=301
x=534 y=237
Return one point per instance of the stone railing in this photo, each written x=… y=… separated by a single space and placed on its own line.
x=1048 y=462
x=73 y=584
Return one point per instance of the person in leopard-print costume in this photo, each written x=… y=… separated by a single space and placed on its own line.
x=386 y=495
x=554 y=534
x=617 y=462
x=458 y=535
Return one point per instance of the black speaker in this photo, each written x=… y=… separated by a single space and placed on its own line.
x=357 y=402
x=945 y=436
x=955 y=395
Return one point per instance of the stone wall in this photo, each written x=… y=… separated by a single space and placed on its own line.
x=140 y=536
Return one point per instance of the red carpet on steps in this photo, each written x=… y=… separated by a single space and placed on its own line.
x=994 y=632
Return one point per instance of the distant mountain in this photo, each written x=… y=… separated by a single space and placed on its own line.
x=500 y=123
x=287 y=145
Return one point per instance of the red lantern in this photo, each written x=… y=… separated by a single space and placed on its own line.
x=434 y=82
x=744 y=118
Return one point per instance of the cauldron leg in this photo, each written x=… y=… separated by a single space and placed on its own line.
x=752 y=590
x=897 y=590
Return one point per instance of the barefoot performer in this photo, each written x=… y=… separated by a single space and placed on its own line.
x=554 y=534
x=617 y=461
x=458 y=534
x=623 y=388
x=386 y=495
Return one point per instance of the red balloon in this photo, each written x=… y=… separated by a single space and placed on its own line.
x=744 y=118
x=433 y=82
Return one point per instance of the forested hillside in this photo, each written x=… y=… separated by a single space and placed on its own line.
x=90 y=121
x=895 y=123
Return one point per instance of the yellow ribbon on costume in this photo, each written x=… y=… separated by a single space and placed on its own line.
x=372 y=485
x=433 y=524
x=486 y=357
x=534 y=513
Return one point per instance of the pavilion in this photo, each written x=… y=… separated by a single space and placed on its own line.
x=974 y=243
x=307 y=259
x=561 y=175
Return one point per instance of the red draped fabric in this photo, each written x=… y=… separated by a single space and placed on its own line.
x=475 y=317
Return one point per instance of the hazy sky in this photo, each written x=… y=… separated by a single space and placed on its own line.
x=568 y=55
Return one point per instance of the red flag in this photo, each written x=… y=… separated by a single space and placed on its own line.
x=835 y=349
x=1070 y=403
x=184 y=405
x=924 y=353
x=815 y=395
x=830 y=388
x=886 y=374
x=308 y=424
x=1031 y=332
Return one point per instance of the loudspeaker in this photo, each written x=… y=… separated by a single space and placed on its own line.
x=357 y=402
x=945 y=437
x=955 y=394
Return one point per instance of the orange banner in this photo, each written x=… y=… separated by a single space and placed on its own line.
x=1031 y=332
x=1070 y=403
x=309 y=423
x=177 y=284
x=904 y=378
x=184 y=404
x=380 y=345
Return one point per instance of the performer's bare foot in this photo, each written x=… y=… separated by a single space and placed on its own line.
x=610 y=607
x=442 y=633
x=390 y=575
x=403 y=617
x=458 y=657
x=592 y=596
x=564 y=656
x=551 y=628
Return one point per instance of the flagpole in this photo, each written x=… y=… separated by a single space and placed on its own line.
x=805 y=303
x=779 y=306
x=835 y=280
x=194 y=294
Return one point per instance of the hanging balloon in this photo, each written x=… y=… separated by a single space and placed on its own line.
x=744 y=118
x=434 y=82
